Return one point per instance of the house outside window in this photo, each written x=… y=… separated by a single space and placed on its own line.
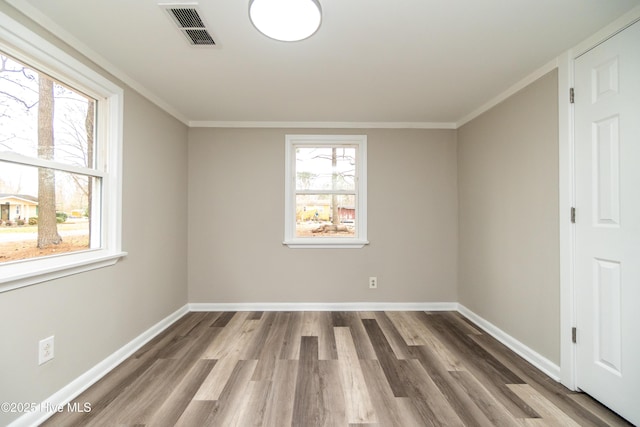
x=60 y=152
x=326 y=191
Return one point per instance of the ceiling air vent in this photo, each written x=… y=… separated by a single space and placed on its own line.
x=190 y=24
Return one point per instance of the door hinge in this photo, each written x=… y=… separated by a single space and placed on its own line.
x=571 y=96
x=573 y=215
x=574 y=335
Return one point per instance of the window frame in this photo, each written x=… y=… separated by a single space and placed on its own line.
x=360 y=238
x=28 y=47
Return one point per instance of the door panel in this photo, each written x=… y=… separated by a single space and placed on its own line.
x=606 y=172
x=607 y=314
x=607 y=264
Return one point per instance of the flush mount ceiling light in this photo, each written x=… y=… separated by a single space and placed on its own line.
x=286 y=20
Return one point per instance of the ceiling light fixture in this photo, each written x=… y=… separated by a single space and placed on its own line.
x=286 y=20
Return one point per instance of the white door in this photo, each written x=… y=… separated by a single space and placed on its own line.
x=607 y=263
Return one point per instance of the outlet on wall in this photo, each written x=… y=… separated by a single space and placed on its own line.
x=373 y=283
x=45 y=350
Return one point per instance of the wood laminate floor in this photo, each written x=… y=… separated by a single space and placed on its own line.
x=329 y=369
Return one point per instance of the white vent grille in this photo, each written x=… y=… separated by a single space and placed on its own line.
x=191 y=25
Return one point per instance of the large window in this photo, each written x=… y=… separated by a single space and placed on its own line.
x=60 y=142
x=325 y=200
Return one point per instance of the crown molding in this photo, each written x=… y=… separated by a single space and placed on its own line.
x=549 y=66
x=321 y=125
x=45 y=22
x=38 y=17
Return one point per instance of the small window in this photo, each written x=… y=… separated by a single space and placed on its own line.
x=326 y=191
x=60 y=145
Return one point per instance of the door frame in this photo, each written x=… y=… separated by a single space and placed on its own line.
x=566 y=177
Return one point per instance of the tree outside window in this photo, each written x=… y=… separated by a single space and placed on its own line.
x=47 y=138
x=325 y=191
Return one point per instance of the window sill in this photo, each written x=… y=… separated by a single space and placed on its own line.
x=25 y=273
x=324 y=243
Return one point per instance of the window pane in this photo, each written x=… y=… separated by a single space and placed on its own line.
x=45 y=212
x=30 y=101
x=325 y=168
x=325 y=215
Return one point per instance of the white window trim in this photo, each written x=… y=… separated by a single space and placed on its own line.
x=290 y=239
x=19 y=41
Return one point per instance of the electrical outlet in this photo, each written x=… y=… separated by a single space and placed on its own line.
x=373 y=283
x=45 y=350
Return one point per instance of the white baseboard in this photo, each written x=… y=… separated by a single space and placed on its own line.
x=84 y=381
x=326 y=306
x=531 y=356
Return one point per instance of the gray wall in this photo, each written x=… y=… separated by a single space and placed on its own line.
x=236 y=225
x=508 y=227
x=94 y=314
x=468 y=216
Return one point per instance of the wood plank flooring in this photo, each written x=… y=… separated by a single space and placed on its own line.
x=329 y=369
